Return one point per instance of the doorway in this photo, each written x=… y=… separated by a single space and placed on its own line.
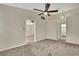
x=30 y=32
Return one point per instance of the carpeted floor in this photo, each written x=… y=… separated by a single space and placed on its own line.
x=45 y=47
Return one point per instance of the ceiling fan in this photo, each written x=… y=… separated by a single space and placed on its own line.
x=46 y=11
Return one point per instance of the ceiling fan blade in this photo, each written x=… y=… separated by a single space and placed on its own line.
x=47 y=5
x=48 y=14
x=53 y=11
x=40 y=13
x=38 y=10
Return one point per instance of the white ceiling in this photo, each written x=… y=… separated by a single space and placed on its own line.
x=59 y=6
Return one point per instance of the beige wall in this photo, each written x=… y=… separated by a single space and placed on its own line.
x=47 y=28
x=51 y=28
x=73 y=29
x=40 y=29
x=72 y=18
x=12 y=26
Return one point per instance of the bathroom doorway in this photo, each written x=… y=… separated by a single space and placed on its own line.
x=30 y=32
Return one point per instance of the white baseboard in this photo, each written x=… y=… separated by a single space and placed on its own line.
x=19 y=45
x=12 y=47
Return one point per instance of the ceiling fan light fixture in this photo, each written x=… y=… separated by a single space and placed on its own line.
x=45 y=13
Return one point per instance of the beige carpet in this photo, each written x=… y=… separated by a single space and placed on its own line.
x=45 y=47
